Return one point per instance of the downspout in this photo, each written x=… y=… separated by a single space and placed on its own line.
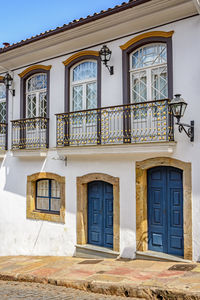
x=197 y=4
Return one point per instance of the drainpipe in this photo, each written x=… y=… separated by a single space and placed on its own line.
x=197 y=4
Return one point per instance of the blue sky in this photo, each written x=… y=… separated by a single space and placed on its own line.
x=21 y=19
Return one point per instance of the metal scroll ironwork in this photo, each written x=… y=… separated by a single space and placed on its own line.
x=3 y=136
x=133 y=123
x=30 y=133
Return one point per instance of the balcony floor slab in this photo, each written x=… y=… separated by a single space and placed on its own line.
x=29 y=153
x=110 y=150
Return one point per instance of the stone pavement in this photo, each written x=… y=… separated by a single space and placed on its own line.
x=14 y=290
x=129 y=278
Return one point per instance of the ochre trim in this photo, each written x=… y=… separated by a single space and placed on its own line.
x=146 y=35
x=141 y=201
x=31 y=212
x=1 y=77
x=80 y=54
x=35 y=67
x=82 y=199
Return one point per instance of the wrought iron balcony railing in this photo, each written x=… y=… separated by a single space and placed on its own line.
x=30 y=133
x=132 y=123
x=3 y=136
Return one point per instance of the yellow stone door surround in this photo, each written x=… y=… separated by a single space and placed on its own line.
x=141 y=201
x=82 y=197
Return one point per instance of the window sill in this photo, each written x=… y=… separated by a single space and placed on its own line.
x=46 y=216
x=46 y=212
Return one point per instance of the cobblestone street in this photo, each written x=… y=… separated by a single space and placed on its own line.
x=10 y=290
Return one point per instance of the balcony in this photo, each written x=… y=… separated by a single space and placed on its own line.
x=30 y=133
x=124 y=124
x=3 y=136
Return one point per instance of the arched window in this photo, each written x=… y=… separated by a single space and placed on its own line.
x=148 y=73
x=36 y=96
x=2 y=103
x=83 y=92
x=148 y=67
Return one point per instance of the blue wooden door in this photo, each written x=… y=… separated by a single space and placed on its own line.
x=165 y=210
x=100 y=214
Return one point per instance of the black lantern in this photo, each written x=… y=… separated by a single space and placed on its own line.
x=105 y=55
x=8 y=83
x=178 y=107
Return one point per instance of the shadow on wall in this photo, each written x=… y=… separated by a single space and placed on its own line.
x=16 y=170
x=144 y=240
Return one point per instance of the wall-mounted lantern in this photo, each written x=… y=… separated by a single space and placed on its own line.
x=105 y=55
x=8 y=83
x=178 y=107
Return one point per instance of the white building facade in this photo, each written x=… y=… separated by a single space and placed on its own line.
x=93 y=164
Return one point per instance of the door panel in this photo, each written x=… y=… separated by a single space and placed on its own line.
x=175 y=212
x=156 y=208
x=165 y=210
x=95 y=213
x=108 y=215
x=100 y=214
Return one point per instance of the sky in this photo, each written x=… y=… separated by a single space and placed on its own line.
x=21 y=19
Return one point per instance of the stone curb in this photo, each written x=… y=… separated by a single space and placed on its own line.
x=119 y=289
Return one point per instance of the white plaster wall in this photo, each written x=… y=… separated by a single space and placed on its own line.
x=21 y=236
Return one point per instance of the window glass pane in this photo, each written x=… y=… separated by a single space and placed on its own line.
x=159 y=83
x=37 y=82
x=43 y=188
x=31 y=106
x=139 y=87
x=55 y=204
x=3 y=112
x=42 y=203
x=77 y=98
x=42 y=104
x=91 y=95
x=149 y=55
x=55 y=189
x=151 y=81
x=85 y=70
x=2 y=91
x=41 y=81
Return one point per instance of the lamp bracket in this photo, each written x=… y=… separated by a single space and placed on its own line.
x=110 y=68
x=12 y=92
x=189 y=131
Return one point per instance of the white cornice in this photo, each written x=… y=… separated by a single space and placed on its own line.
x=139 y=18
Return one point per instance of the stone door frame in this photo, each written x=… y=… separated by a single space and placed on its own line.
x=82 y=195
x=141 y=201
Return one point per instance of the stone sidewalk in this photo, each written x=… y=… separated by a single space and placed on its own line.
x=129 y=278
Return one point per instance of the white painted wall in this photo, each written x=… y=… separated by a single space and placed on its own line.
x=19 y=235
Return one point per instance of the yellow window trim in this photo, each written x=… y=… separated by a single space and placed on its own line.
x=35 y=67
x=31 y=212
x=80 y=54
x=146 y=35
